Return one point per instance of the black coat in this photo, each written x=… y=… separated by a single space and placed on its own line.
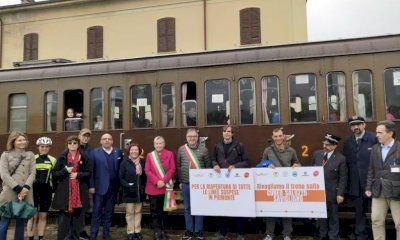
x=335 y=173
x=61 y=179
x=236 y=155
x=357 y=157
x=132 y=184
x=380 y=178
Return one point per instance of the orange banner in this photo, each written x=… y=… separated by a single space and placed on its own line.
x=310 y=196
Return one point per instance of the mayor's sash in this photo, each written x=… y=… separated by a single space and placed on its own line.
x=169 y=198
x=191 y=155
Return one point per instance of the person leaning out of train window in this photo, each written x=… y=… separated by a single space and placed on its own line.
x=281 y=155
x=133 y=180
x=229 y=153
x=17 y=170
x=383 y=179
x=42 y=187
x=335 y=175
x=71 y=174
x=157 y=183
x=73 y=121
x=191 y=155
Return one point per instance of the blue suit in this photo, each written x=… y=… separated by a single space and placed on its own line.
x=105 y=180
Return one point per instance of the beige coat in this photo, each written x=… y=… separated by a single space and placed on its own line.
x=24 y=175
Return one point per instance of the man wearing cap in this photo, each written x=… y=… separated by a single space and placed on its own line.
x=357 y=149
x=335 y=174
x=84 y=138
x=383 y=180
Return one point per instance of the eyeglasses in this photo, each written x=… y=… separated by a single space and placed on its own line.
x=72 y=142
x=192 y=136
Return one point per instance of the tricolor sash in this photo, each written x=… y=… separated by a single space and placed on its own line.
x=191 y=155
x=169 y=198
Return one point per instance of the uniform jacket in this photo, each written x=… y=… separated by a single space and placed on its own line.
x=380 y=179
x=357 y=157
x=235 y=156
x=168 y=163
x=183 y=165
x=288 y=156
x=132 y=184
x=335 y=173
x=100 y=179
x=24 y=175
x=61 y=179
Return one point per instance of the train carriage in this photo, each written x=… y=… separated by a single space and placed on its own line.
x=308 y=88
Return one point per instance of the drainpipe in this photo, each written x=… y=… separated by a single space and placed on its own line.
x=205 y=23
x=1 y=42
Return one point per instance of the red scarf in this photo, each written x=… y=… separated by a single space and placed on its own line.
x=74 y=199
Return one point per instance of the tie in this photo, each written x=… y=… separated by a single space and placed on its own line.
x=324 y=159
x=358 y=141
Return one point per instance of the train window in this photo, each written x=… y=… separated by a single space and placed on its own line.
x=18 y=108
x=270 y=99
x=95 y=42
x=31 y=43
x=141 y=106
x=97 y=108
x=116 y=107
x=168 y=105
x=392 y=93
x=303 y=101
x=247 y=101
x=336 y=96
x=73 y=100
x=217 y=102
x=189 y=104
x=362 y=93
x=51 y=111
x=250 y=26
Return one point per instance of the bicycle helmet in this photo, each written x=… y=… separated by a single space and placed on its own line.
x=44 y=141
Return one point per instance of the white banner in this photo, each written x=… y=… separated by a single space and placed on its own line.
x=290 y=192
x=224 y=194
x=262 y=192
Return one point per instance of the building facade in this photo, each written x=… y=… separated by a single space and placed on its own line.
x=87 y=30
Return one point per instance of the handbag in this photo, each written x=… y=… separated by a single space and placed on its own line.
x=17 y=209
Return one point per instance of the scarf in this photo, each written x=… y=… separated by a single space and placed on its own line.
x=139 y=169
x=74 y=198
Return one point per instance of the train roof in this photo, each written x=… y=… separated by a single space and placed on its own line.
x=307 y=50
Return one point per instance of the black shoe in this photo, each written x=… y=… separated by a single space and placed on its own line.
x=84 y=235
x=139 y=236
x=187 y=235
x=198 y=235
x=131 y=236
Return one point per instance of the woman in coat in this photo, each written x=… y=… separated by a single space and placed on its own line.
x=71 y=174
x=18 y=171
x=133 y=179
x=156 y=184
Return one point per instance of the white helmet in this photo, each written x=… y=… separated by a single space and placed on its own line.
x=44 y=141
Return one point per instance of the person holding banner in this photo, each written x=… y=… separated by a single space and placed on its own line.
x=229 y=153
x=159 y=169
x=281 y=155
x=191 y=156
x=335 y=175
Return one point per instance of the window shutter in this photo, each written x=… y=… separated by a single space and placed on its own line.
x=166 y=35
x=250 y=26
x=95 y=42
x=31 y=42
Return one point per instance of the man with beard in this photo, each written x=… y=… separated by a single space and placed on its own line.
x=357 y=149
x=281 y=155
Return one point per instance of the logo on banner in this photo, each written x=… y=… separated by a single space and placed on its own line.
x=246 y=174
x=315 y=173
x=294 y=173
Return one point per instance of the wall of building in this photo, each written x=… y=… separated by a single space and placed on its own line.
x=130 y=27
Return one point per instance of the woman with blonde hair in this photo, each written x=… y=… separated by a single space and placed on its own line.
x=18 y=171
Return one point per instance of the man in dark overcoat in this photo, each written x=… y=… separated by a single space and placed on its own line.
x=357 y=149
x=335 y=175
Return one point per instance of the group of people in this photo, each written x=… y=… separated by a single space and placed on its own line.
x=368 y=167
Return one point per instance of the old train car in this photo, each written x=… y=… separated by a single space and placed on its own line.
x=309 y=89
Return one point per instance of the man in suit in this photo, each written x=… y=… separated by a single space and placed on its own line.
x=383 y=181
x=357 y=149
x=335 y=174
x=104 y=184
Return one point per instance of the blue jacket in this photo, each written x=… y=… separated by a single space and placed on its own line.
x=358 y=158
x=100 y=179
